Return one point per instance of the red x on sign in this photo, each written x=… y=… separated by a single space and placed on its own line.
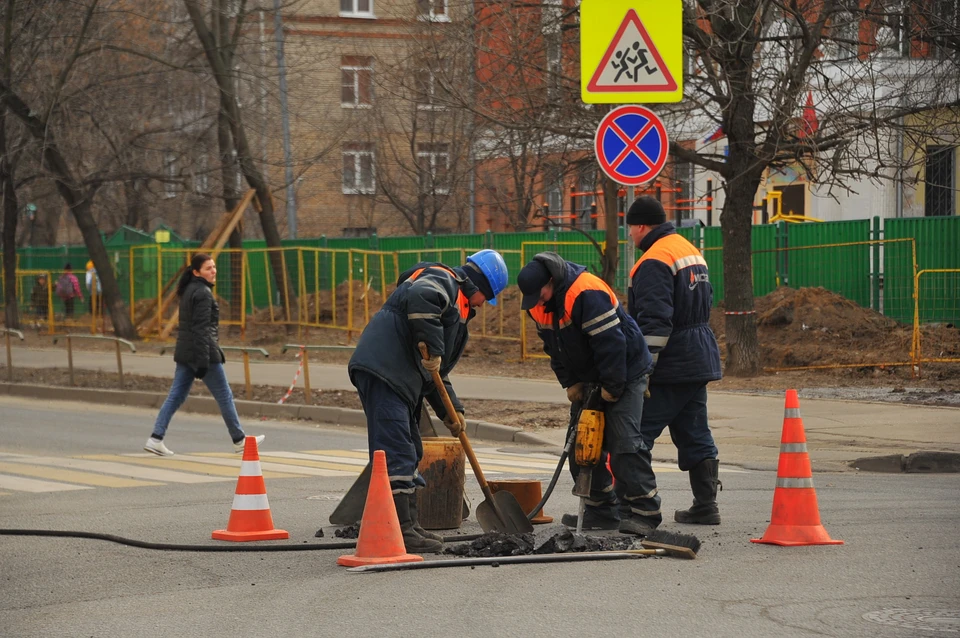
x=631 y=145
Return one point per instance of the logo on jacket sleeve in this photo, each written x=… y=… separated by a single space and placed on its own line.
x=696 y=278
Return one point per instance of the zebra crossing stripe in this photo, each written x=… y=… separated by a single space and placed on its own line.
x=22 y=484
x=72 y=476
x=121 y=469
x=277 y=470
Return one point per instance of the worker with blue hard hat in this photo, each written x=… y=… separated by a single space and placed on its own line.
x=432 y=304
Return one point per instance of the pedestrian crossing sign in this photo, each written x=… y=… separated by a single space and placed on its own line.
x=631 y=51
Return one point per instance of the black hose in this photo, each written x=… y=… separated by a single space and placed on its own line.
x=571 y=438
x=202 y=548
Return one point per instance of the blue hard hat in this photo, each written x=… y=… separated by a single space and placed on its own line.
x=491 y=264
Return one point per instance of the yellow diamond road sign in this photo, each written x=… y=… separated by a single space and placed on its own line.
x=631 y=51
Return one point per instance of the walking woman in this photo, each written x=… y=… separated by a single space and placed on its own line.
x=198 y=355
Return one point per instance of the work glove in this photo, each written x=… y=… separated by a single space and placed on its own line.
x=455 y=424
x=432 y=364
x=200 y=373
x=575 y=393
x=606 y=396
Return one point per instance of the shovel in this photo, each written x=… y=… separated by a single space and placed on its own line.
x=498 y=512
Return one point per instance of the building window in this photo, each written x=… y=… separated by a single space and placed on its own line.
x=170 y=170
x=586 y=199
x=553 y=193
x=939 y=183
x=435 y=10
x=844 y=38
x=428 y=89
x=434 y=162
x=356 y=8
x=356 y=81
x=686 y=198
x=358 y=173
x=552 y=29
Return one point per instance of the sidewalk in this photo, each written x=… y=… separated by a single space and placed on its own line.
x=747 y=428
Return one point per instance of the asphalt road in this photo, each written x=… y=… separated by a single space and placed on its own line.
x=897 y=575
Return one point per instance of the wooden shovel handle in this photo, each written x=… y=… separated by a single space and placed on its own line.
x=464 y=441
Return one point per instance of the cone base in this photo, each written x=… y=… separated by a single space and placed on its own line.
x=352 y=560
x=541 y=519
x=265 y=535
x=795 y=536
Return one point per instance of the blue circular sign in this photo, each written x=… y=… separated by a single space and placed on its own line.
x=631 y=145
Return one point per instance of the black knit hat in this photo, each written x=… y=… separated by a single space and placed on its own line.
x=646 y=211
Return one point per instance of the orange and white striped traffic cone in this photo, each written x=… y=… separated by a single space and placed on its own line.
x=796 y=517
x=250 y=518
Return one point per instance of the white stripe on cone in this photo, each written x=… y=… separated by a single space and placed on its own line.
x=250 y=468
x=250 y=502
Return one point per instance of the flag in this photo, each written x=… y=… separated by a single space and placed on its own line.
x=809 y=123
x=716 y=135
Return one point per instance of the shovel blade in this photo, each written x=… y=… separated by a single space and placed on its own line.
x=350 y=509
x=513 y=521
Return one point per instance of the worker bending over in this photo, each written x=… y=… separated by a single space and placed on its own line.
x=433 y=304
x=591 y=339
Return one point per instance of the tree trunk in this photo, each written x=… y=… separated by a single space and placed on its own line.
x=743 y=351
x=9 y=246
x=79 y=204
x=611 y=256
x=218 y=56
x=230 y=199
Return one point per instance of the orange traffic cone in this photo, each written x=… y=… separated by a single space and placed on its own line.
x=380 y=540
x=796 y=518
x=250 y=518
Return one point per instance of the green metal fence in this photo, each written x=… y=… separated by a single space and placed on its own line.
x=871 y=274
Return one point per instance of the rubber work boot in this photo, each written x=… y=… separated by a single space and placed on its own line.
x=415 y=516
x=413 y=542
x=704 y=481
x=594 y=518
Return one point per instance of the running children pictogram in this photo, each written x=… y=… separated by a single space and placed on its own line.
x=636 y=58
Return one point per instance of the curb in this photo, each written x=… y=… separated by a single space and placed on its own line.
x=923 y=462
x=207 y=405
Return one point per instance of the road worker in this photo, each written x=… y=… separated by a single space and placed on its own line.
x=433 y=304
x=670 y=297
x=590 y=339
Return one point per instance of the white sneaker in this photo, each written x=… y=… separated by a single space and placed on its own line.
x=238 y=447
x=157 y=447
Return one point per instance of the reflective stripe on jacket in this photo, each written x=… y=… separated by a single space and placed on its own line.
x=670 y=297
x=586 y=332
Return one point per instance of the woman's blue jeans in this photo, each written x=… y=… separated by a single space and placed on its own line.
x=216 y=381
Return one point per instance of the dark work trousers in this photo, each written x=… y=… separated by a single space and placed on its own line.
x=630 y=460
x=683 y=408
x=394 y=427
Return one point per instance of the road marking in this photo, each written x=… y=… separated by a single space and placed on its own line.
x=71 y=476
x=21 y=484
x=185 y=463
x=293 y=470
x=121 y=469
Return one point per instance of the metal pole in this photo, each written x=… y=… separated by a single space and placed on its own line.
x=119 y=364
x=306 y=377
x=9 y=360
x=248 y=391
x=70 y=359
x=287 y=160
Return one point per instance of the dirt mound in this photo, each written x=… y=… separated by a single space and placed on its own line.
x=814 y=326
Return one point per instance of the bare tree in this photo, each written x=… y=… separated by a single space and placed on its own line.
x=754 y=63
